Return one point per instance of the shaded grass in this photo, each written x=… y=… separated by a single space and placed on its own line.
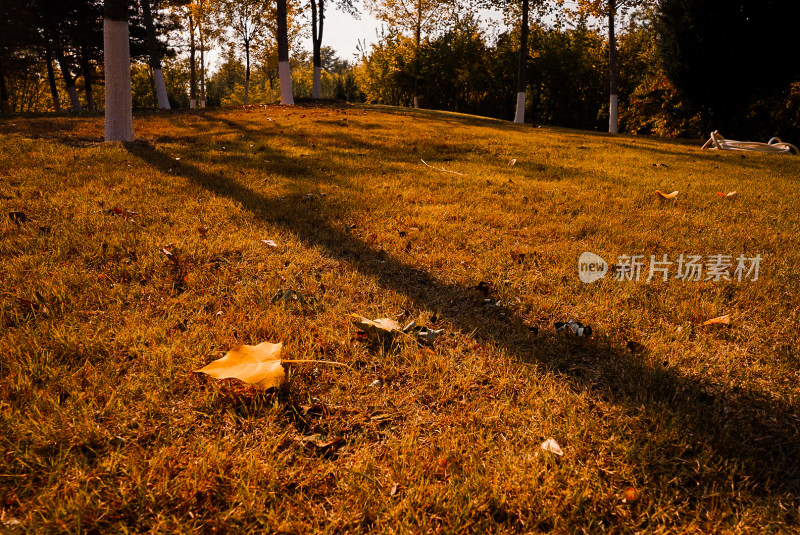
x=105 y=427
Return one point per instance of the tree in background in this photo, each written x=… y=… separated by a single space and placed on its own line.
x=155 y=56
x=416 y=16
x=317 y=26
x=246 y=18
x=723 y=55
x=284 y=71
x=12 y=13
x=522 y=82
x=116 y=48
x=58 y=20
x=569 y=68
x=207 y=15
x=610 y=10
x=466 y=74
x=87 y=34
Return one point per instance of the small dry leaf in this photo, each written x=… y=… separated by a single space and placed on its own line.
x=729 y=195
x=512 y=161
x=635 y=346
x=552 y=446
x=378 y=326
x=319 y=442
x=484 y=288
x=666 y=195
x=18 y=218
x=270 y=243
x=721 y=320
x=203 y=230
x=289 y=296
x=257 y=365
x=120 y=211
x=170 y=255
x=630 y=495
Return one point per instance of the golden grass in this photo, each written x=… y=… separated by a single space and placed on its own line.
x=104 y=427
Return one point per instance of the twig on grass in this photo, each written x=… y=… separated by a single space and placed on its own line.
x=442 y=169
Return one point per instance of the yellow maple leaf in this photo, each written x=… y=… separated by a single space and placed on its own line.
x=257 y=365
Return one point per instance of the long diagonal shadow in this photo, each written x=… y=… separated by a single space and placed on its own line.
x=759 y=435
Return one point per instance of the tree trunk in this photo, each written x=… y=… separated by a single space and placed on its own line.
x=317 y=24
x=202 y=69
x=117 y=60
x=86 y=68
x=417 y=44
x=522 y=67
x=192 y=75
x=613 y=111
x=4 y=105
x=51 y=78
x=283 y=56
x=69 y=81
x=247 y=73
x=155 y=56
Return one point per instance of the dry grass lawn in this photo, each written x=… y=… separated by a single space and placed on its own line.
x=666 y=425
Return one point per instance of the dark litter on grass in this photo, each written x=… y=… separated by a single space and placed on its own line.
x=575 y=327
x=291 y=296
x=18 y=218
x=423 y=334
x=386 y=327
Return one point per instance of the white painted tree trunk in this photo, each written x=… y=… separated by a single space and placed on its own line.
x=246 y=92
x=116 y=51
x=286 y=83
x=192 y=103
x=519 y=115
x=416 y=102
x=613 y=115
x=161 y=89
x=316 y=89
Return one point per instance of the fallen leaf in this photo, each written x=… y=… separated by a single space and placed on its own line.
x=381 y=326
x=630 y=495
x=257 y=365
x=319 y=442
x=721 y=320
x=635 y=346
x=170 y=255
x=518 y=257
x=729 y=195
x=512 y=161
x=18 y=218
x=203 y=230
x=666 y=195
x=552 y=446
x=290 y=295
x=120 y=211
x=484 y=288
x=270 y=243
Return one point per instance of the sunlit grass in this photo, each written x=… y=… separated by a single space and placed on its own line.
x=104 y=427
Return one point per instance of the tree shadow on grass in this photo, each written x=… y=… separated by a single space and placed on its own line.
x=757 y=435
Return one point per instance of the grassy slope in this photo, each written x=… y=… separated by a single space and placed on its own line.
x=104 y=426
